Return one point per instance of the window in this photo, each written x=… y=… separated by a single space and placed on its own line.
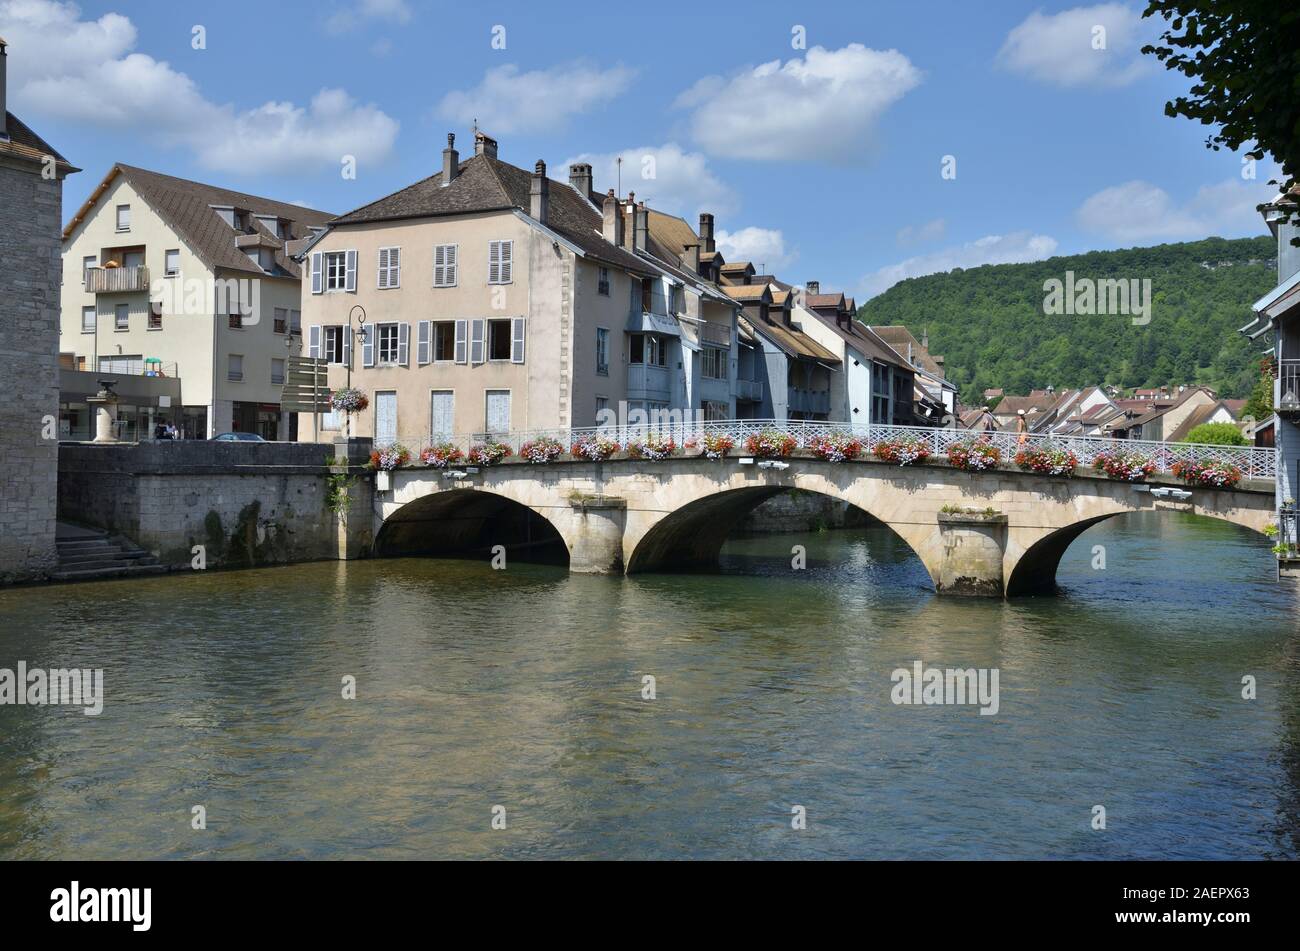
x=713 y=363
x=122 y=317
x=602 y=282
x=714 y=411
x=333 y=349
x=390 y=268
x=281 y=322
x=172 y=262
x=500 y=262
x=602 y=406
x=444 y=341
x=386 y=338
x=235 y=367
x=155 y=316
x=647 y=293
x=86 y=264
x=277 y=371
x=236 y=321
x=295 y=322
x=602 y=351
x=444 y=265
x=499 y=339
x=87 y=320
x=336 y=271
x=123 y=217
x=648 y=349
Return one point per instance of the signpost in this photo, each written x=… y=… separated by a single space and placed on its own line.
x=306 y=389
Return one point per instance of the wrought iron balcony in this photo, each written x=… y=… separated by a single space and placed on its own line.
x=117 y=280
x=1288 y=387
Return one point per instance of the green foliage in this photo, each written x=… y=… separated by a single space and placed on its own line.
x=1217 y=434
x=1260 y=404
x=988 y=322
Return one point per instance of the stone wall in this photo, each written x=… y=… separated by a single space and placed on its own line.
x=796 y=511
x=30 y=222
x=247 y=504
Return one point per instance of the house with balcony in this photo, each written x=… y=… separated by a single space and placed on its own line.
x=935 y=398
x=1277 y=313
x=486 y=299
x=171 y=277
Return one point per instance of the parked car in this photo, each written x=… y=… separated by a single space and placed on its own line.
x=238 y=437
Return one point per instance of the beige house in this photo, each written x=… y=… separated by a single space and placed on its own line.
x=495 y=299
x=164 y=276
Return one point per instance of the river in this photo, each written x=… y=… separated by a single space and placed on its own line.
x=523 y=689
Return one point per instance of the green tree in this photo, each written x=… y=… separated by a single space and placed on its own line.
x=1217 y=434
x=1260 y=404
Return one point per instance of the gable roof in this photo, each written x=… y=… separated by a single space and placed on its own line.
x=186 y=207
x=859 y=335
x=26 y=145
x=485 y=184
x=899 y=337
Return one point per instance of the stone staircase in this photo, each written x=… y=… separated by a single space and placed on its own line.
x=89 y=555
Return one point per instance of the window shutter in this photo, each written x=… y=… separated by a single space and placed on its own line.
x=422 y=342
x=394 y=267
x=313 y=342
x=351 y=274
x=450 y=264
x=507 y=261
x=368 y=349
x=517 y=340
x=494 y=262
x=404 y=344
x=347 y=346
x=460 y=341
x=317 y=278
x=381 y=272
x=439 y=266
x=476 y=329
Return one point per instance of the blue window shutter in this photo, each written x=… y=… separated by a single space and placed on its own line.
x=368 y=349
x=313 y=341
x=461 y=328
x=347 y=346
x=422 y=342
x=476 y=330
x=517 y=340
x=404 y=344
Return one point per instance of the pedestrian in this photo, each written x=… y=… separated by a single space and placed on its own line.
x=988 y=422
x=1022 y=427
x=160 y=430
x=172 y=432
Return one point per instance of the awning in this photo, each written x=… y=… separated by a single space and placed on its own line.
x=646 y=322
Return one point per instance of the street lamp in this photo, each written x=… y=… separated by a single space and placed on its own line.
x=360 y=335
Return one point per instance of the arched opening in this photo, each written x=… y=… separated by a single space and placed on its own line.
x=693 y=537
x=467 y=523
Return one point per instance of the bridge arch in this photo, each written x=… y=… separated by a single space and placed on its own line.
x=470 y=522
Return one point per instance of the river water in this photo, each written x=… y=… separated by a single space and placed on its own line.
x=523 y=689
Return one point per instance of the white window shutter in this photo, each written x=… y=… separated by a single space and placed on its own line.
x=494 y=262
x=507 y=261
x=381 y=270
x=517 y=340
x=422 y=342
x=368 y=349
x=317 y=277
x=476 y=329
x=460 y=340
x=313 y=341
x=404 y=344
x=347 y=346
x=450 y=264
x=351 y=274
x=439 y=266
x=394 y=267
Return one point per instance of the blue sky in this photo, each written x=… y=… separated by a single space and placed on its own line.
x=822 y=160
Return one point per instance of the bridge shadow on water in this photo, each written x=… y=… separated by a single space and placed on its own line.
x=471 y=525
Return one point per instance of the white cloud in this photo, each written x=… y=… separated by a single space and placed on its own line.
x=349 y=18
x=508 y=101
x=821 y=107
x=934 y=230
x=1010 y=248
x=85 y=71
x=1084 y=46
x=1139 y=211
x=763 y=247
x=665 y=177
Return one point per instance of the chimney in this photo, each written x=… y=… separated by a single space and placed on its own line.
x=580 y=179
x=485 y=145
x=813 y=287
x=4 y=102
x=706 y=231
x=925 y=338
x=539 y=193
x=450 y=160
x=691 y=258
x=628 y=214
x=612 y=227
x=642 y=221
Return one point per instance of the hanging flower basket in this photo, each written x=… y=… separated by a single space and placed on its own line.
x=1046 y=460
x=441 y=455
x=593 y=447
x=974 y=456
x=653 y=446
x=390 y=457
x=349 y=400
x=488 y=454
x=1209 y=475
x=542 y=450
x=1125 y=466
x=905 y=452
x=770 y=444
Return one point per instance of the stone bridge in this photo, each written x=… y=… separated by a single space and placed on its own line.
x=993 y=533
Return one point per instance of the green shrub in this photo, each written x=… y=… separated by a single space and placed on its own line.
x=1217 y=434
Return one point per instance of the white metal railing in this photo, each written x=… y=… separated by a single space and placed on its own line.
x=1288 y=385
x=117 y=280
x=1253 y=463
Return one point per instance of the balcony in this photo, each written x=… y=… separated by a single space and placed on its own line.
x=749 y=390
x=648 y=383
x=810 y=401
x=719 y=334
x=117 y=280
x=1288 y=387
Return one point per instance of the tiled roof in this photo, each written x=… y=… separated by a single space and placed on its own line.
x=898 y=337
x=817 y=301
x=483 y=184
x=748 y=292
x=186 y=207
x=867 y=342
x=26 y=145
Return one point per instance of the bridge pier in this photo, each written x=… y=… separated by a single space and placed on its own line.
x=971 y=556
x=595 y=534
